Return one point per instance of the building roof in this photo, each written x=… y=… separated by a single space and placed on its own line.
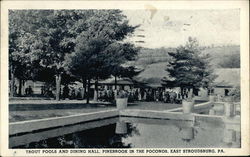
x=153 y=74
x=227 y=77
x=120 y=81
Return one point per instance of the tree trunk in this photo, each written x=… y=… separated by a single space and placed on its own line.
x=20 y=87
x=12 y=84
x=115 y=82
x=88 y=93
x=84 y=87
x=58 y=86
x=96 y=90
x=115 y=94
x=23 y=89
x=182 y=93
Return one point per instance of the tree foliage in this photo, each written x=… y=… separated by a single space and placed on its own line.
x=88 y=43
x=99 y=49
x=21 y=62
x=190 y=69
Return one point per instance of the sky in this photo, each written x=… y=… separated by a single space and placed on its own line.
x=171 y=28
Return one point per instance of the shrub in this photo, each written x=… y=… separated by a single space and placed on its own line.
x=235 y=93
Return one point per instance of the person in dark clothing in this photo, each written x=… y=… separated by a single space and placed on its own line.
x=73 y=93
x=79 y=94
x=65 y=92
x=29 y=90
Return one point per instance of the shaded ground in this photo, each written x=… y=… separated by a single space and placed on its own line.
x=21 y=110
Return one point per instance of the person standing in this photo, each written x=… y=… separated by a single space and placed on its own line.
x=65 y=92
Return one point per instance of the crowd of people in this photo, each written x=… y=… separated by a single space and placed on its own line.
x=72 y=93
x=134 y=94
x=167 y=96
x=28 y=91
x=108 y=95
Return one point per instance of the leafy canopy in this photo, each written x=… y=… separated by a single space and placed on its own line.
x=100 y=49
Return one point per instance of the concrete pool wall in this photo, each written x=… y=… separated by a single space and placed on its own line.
x=48 y=123
x=36 y=136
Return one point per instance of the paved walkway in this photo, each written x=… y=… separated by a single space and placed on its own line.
x=36 y=109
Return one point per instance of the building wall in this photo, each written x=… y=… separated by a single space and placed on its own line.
x=36 y=86
x=221 y=91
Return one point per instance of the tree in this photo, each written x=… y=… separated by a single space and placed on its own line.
x=120 y=54
x=99 y=48
x=189 y=69
x=20 y=39
x=54 y=34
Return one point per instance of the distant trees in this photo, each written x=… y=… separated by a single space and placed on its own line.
x=189 y=69
x=230 y=61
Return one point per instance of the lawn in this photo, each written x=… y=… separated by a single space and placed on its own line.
x=37 y=109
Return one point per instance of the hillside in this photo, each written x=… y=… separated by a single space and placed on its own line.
x=221 y=57
x=150 y=56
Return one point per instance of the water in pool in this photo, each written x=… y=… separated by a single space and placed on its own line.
x=125 y=132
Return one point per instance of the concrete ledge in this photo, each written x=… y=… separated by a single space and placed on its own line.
x=38 y=136
x=232 y=120
x=208 y=118
x=49 y=102
x=31 y=125
x=196 y=107
x=157 y=121
x=212 y=118
x=44 y=105
x=156 y=114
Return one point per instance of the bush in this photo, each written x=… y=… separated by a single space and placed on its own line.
x=235 y=93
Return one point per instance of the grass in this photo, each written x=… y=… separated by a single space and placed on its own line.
x=29 y=110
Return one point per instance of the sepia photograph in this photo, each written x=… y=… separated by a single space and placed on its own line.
x=160 y=80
